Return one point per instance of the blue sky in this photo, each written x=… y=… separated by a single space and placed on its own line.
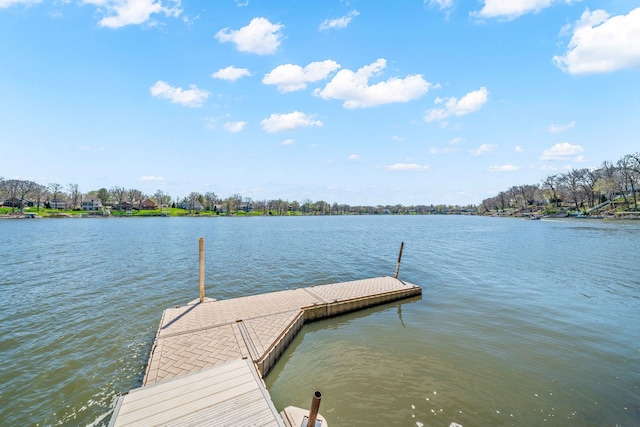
x=357 y=102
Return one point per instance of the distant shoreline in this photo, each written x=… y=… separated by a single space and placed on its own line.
x=624 y=216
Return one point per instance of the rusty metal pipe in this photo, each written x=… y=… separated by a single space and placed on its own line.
x=399 y=259
x=315 y=405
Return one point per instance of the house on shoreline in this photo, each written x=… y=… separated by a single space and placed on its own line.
x=58 y=204
x=148 y=205
x=91 y=203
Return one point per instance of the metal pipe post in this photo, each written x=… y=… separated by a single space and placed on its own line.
x=399 y=258
x=315 y=406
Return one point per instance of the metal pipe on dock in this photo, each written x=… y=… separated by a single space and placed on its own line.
x=399 y=259
x=315 y=406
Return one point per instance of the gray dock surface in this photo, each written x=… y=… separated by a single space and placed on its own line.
x=231 y=394
x=195 y=338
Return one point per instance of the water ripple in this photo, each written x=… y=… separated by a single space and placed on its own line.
x=521 y=322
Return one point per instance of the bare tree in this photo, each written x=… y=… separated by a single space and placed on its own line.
x=237 y=200
x=210 y=200
x=39 y=192
x=607 y=182
x=529 y=193
x=55 y=189
x=630 y=178
x=162 y=199
x=25 y=190
x=74 y=194
x=118 y=194
x=634 y=157
x=587 y=181
x=551 y=184
x=12 y=190
x=134 y=195
x=515 y=199
x=192 y=199
x=233 y=203
x=571 y=181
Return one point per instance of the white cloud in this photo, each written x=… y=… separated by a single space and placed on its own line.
x=230 y=73
x=151 y=178
x=289 y=77
x=354 y=88
x=234 y=126
x=354 y=157
x=411 y=167
x=342 y=22
x=561 y=128
x=119 y=13
x=518 y=149
x=483 y=149
x=210 y=122
x=561 y=152
x=511 y=9
x=469 y=103
x=503 y=168
x=455 y=141
x=241 y=3
x=288 y=142
x=192 y=97
x=442 y=4
x=601 y=43
x=260 y=36
x=8 y=3
x=289 y=121
x=397 y=138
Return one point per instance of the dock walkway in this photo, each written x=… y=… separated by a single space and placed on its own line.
x=227 y=395
x=258 y=328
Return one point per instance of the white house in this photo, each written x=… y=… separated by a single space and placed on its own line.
x=58 y=204
x=91 y=203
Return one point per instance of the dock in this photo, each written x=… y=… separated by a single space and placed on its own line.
x=195 y=340
x=209 y=397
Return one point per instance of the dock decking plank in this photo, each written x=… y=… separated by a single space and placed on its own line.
x=208 y=358
x=229 y=394
x=206 y=334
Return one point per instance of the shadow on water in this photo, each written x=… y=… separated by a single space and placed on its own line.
x=333 y=324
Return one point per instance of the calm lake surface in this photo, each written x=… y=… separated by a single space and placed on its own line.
x=521 y=322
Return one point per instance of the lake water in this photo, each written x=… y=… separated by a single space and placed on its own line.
x=520 y=322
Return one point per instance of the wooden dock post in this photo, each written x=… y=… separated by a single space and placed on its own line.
x=399 y=258
x=201 y=269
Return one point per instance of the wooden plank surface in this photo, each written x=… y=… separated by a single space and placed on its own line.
x=203 y=335
x=230 y=394
x=201 y=369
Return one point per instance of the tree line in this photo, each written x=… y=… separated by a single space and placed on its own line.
x=609 y=187
x=18 y=194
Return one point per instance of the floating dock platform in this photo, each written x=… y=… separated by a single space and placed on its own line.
x=195 y=340
x=230 y=395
